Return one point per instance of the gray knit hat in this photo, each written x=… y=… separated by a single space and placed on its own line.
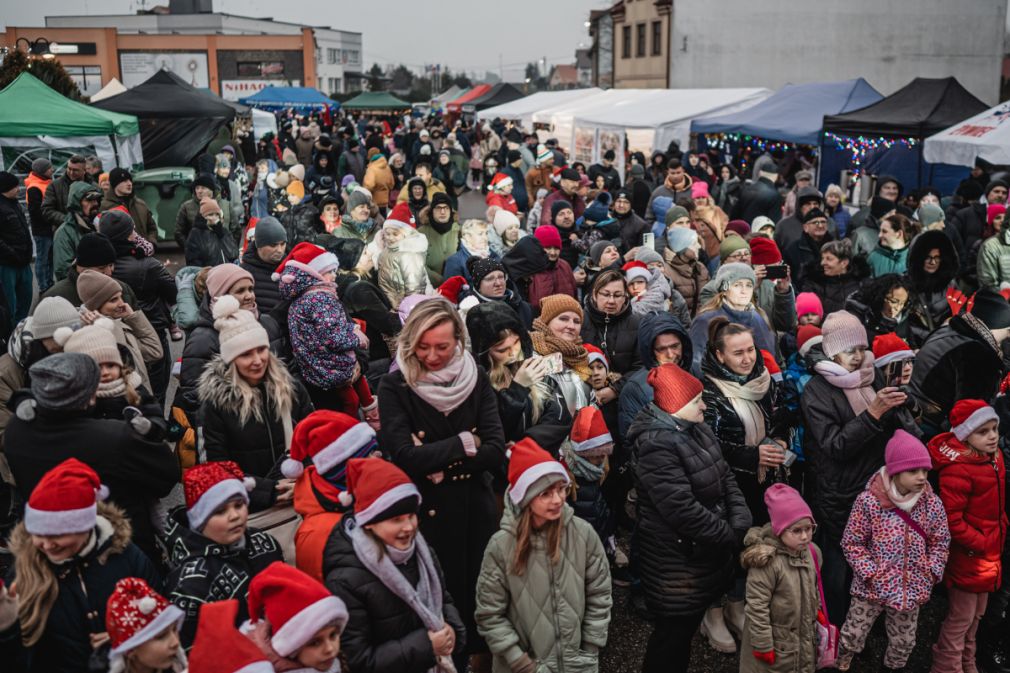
x=51 y=314
x=269 y=231
x=680 y=239
x=357 y=198
x=647 y=256
x=731 y=273
x=64 y=381
x=41 y=165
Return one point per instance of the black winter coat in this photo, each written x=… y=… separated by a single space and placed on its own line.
x=363 y=300
x=383 y=633
x=15 y=234
x=202 y=571
x=302 y=223
x=632 y=228
x=844 y=449
x=691 y=514
x=970 y=223
x=209 y=245
x=929 y=300
x=834 y=290
x=151 y=282
x=591 y=506
x=758 y=198
x=268 y=296
x=804 y=258
x=459 y=514
x=615 y=335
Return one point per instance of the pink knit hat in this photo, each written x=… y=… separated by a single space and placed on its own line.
x=221 y=278
x=842 y=331
x=699 y=188
x=808 y=302
x=785 y=507
x=905 y=452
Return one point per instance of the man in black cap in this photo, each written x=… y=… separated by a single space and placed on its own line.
x=631 y=225
x=790 y=229
x=95 y=252
x=204 y=187
x=612 y=179
x=15 y=250
x=970 y=221
x=121 y=194
x=261 y=258
x=513 y=168
x=568 y=191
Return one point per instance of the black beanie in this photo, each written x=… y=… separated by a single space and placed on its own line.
x=879 y=206
x=205 y=180
x=514 y=156
x=558 y=206
x=8 y=181
x=993 y=184
x=812 y=214
x=441 y=199
x=118 y=175
x=969 y=190
x=94 y=250
x=116 y=224
x=348 y=251
x=991 y=308
x=479 y=267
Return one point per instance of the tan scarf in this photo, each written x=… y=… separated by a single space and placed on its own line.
x=744 y=398
x=573 y=353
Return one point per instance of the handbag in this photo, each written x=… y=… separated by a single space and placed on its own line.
x=827 y=635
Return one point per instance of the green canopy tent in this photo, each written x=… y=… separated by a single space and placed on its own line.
x=36 y=121
x=376 y=100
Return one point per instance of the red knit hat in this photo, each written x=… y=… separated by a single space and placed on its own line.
x=967 y=416
x=764 y=251
x=294 y=604
x=308 y=257
x=500 y=181
x=376 y=486
x=596 y=355
x=636 y=270
x=210 y=485
x=134 y=614
x=548 y=235
x=890 y=347
x=65 y=500
x=807 y=337
x=220 y=648
x=329 y=438
x=528 y=463
x=589 y=436
x=673 y=387
x=771 y=365
x=451 y=288
x=400 y=217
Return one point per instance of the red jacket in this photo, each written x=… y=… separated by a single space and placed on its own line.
x=558 y=280
x=506 y=201
x=973 y=490
x=318 y=520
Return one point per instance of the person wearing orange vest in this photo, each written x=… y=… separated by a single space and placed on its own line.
x=35 y=190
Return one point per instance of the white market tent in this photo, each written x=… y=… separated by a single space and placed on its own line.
x=449 y=94
x=560 y=116
x=985 y=136
x=113 y=88
x=523 y=109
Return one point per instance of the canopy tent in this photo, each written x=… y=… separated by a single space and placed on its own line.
x=496 y=95
x=522 y=109
x=376 y=100
x=985 y=136
x=559 y=117
x=176 y=120
x=794 y=113
x=113 y=88
x=263 y=122
x=456 y=105
x=300 y=98
x=36 y=121
x=449 y=94
x=887 y=137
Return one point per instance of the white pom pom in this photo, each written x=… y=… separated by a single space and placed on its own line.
x=26 y=410
x=345 y=498
x=291 y=468
x=146 y=605
x=105 y=323
x=62 y=335
x=508 y=453
x=249 y=483
x=224 y=306
x=102 y=493
x=275 y=277
x=288 y=278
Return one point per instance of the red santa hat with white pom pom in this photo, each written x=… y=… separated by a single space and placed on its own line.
x=329 y=438
x=210 y=485
x=379 y=490
x=134 y=615
x=308 y=257
x=65 y=500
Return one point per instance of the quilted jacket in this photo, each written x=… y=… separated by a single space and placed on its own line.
x=556 y=614
x=402 y=270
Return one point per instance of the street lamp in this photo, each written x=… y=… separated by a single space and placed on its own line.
x=39 y=47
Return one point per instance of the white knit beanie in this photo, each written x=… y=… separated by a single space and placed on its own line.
x=97 y=340
x=238 y=329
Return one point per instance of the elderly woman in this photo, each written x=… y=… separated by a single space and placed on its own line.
x=839 y=273
x=473 y=243
x=441 y=426
x=361 y=220
x=490 y=282
x=402 y=270
x=558 y=333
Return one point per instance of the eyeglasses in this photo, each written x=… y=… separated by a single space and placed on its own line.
x=934 y=258
x=740 y=254
x=615 y=295
x=800 y=531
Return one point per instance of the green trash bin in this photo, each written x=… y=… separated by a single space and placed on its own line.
x=164 y=190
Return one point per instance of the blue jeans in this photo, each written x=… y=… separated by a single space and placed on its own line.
x=17 y=288
x=44 y=262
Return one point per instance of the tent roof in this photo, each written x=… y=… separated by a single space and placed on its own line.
x=794 y=113
x=523 y=108
x=30 y=108
x=654 y=108
x=165 y=95
x=447 y=95
x=919 y=109
x=113 y=88
x=502 y=92
x=288 y=96
x=984 y=136
x=469 y=95
x=376 y=100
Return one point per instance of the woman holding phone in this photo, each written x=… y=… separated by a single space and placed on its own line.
x=559 y=330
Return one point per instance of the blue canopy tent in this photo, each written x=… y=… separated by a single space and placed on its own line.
x=300 y=98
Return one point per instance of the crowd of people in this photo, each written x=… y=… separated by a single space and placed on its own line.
x=405 y=442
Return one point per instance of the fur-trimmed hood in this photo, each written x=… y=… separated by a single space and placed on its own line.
x=760 y=547
x=949 y=262
x=222 y=387
x=113 y=528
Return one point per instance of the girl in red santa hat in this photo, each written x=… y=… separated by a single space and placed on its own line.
x=143 y=630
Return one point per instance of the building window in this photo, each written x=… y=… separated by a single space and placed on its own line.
x=657 y=38
x=626 y=42
x=334 y=85
x=88 y=78
x=319 y=55
x=640 y=51
x=331 y=56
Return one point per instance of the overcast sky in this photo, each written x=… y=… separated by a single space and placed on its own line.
x=465 y=34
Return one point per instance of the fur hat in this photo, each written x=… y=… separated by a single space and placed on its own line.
x=731 y=273
x=65 y=500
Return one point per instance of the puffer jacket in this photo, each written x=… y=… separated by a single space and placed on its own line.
x=363 y=300
x=557 y=278
x=994 y=262
x=688 y=276
x=301 y=222
x=383 y=633
x=151 y=281
x=557 y=614
x=884 y=260
x=268 y=295
x=208 y=245
x=202 y=571
x=892 y=565
x=782 y=604
x=929 y=299
x=973 y=491
x=656 y=297
x=186 y=311
x=317 y=502
x=586 y=497
x=616 y=335
x=403 y=270
x=322 y=336
x=379 y=180
x=69 y=233
x=691 y=514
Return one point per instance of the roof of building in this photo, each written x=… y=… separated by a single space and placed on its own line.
x=565 y=74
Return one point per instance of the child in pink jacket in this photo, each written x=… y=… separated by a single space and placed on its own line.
x=896 y=541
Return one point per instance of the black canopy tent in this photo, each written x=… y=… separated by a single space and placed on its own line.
x=176 y=120
x=499 y=94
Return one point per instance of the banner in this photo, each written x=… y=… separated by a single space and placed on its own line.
x=233 y=89
x=138 y=67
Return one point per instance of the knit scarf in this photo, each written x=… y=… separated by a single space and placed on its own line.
x=117 y=388
x=903 y=502
x=450 y=386
x=425 y=599
x=745 y=397
x=583 y=469
x=857 y=385
x=573 y=353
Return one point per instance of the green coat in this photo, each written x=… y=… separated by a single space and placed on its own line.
x=994 y=262
x=440 y=247
x=782 y=603
x=557 y=614
x=69 y=234
x=883 y=261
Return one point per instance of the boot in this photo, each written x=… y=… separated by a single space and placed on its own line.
x=733 y=614
x=713 y=627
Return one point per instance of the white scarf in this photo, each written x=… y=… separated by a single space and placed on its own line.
x=449 y=387
x=745 y=398
x=902 y=502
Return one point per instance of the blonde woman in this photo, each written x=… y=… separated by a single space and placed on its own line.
x=559 y=330
x=834 y=206
x=441 y=426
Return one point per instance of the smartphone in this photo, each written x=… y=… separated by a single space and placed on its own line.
x=649 y=240
x=776 y=271
x=554 y=363
x=789 y=459
x=892 y=374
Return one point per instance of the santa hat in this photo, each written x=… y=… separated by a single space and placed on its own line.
x=500 y=182
x=308 y=257
x=294 y=604
x=135 y=614
x=596 y=355
x=771 y=365
x=807 y=337
x=967 y=416
x=451 y=288
x=890 y=347
x=531 y=470
x=65 y=500
x=380 y=490
x=590 y=437
x=636 y=270
x=210 y=485
x=400 y=217
x=329 y=438
x=220 y=648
